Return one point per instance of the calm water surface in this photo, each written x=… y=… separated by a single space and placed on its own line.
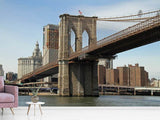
x=104 y=100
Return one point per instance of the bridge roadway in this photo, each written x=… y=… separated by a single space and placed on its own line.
x=143 y=33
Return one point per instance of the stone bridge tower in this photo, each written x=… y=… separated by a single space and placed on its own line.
x=80 y=77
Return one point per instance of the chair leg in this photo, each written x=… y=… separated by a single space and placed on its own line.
x=12 y=110
x=2 y=110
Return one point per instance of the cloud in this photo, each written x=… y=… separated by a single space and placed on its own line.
x=119 y=9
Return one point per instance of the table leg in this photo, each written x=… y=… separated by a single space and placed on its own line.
x=40 y=109
x=29 y=106
x=34 y=110
x=12 y=110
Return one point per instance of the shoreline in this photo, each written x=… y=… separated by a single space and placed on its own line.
x=100 y=93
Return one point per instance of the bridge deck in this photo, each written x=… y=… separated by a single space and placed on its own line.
x=126 y=39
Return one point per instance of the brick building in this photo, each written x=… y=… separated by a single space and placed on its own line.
x=127 y=76
x=101 y=74
x=102 y=71
x=137 y=76
x=103 y=65
x=123 y=75
x=112 y=77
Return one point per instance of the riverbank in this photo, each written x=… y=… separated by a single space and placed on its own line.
x=39 y=94
x=100 y=93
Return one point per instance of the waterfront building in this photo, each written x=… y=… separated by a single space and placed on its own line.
x=103 y=65
x=123 y=76
x=102 y=71
x=127 y=76
x=1 y=70
x=138 y=76
x=108 y=77
x=11 y=76
x=50 y=47
x=155 y=83
x=112 y=77
x=28 y=64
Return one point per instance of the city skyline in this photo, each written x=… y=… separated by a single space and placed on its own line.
x=22 y=25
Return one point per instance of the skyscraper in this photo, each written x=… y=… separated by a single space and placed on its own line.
x=50 y=46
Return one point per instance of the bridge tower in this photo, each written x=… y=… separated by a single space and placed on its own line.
x=80 y=77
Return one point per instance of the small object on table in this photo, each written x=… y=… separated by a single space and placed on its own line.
x=31 y=103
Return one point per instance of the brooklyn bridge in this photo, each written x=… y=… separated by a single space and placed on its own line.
x=77 y=69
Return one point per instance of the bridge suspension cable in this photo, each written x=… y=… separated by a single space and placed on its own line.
x=133 y=18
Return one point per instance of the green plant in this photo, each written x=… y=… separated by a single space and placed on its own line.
x=7 y=81
x=35 y=90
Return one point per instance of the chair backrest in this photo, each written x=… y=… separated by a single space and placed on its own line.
x=1 y=84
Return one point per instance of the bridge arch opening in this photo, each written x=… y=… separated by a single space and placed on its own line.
x=72 y=46
x=85 y=39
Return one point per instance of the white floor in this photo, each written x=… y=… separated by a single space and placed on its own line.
x=83 y=113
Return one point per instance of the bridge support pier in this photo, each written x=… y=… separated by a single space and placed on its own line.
x=134 y=92
x=83 y=79
x=151 y=92
x=118 y=91
x=78 y=79
x=63 y=78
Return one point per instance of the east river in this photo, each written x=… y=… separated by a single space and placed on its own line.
x=103 y=100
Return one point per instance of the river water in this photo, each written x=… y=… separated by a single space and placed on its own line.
x=103 y=100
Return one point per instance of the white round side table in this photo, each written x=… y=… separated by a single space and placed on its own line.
x=31 y=103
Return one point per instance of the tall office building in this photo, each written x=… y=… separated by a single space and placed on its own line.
x=1 y=70
x=50 y=46
x=29 y=64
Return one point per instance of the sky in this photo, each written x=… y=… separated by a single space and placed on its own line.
x=22 y=21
